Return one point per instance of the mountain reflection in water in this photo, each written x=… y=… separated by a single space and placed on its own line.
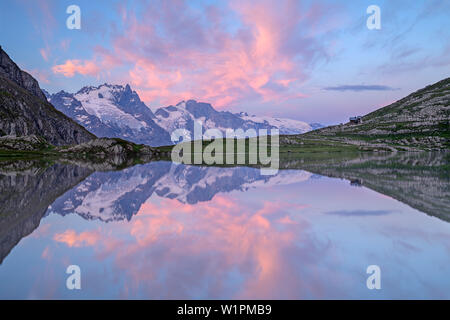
x=164 y=230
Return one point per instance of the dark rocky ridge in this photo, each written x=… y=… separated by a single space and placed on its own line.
x=420 y=180
x=11 y=71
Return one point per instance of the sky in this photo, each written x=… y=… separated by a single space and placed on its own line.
x=315 y=61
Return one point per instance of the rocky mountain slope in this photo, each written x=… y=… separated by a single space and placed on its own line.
x=112 y=111
x=115 y=196
x=117 y=111
x=420 y=121
x=10 y=70
x=24 y=109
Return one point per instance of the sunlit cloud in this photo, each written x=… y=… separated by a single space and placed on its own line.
x=72 y=67
x=73 y=239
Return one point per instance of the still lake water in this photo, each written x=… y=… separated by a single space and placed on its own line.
x=170 y=231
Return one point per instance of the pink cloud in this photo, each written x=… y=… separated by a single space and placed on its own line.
x=72 y=67
x=46 y=253
x=173 y=52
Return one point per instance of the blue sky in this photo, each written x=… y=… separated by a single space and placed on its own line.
x=307 y=60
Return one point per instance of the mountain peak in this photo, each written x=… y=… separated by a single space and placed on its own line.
x=199 y=109
x=117 y=111
x=85 y=89
x=111 y=87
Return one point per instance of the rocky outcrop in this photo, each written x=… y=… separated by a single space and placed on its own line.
x=108 y=146
x=25 y=111
x=23 y=143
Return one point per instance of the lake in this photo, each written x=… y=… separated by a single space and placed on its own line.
x=161 y=230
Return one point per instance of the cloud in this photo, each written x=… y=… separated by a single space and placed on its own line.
x=374 y=87
x=72 y=239
x=42 y=17
x=71 y=67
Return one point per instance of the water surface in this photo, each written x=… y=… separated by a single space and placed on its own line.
x=161 y=230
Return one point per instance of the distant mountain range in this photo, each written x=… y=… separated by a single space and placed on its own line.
x=117 y=111
x=111 y=111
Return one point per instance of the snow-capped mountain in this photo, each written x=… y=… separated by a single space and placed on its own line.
x=184 y=114
x=112 y=111
x=117 y=111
